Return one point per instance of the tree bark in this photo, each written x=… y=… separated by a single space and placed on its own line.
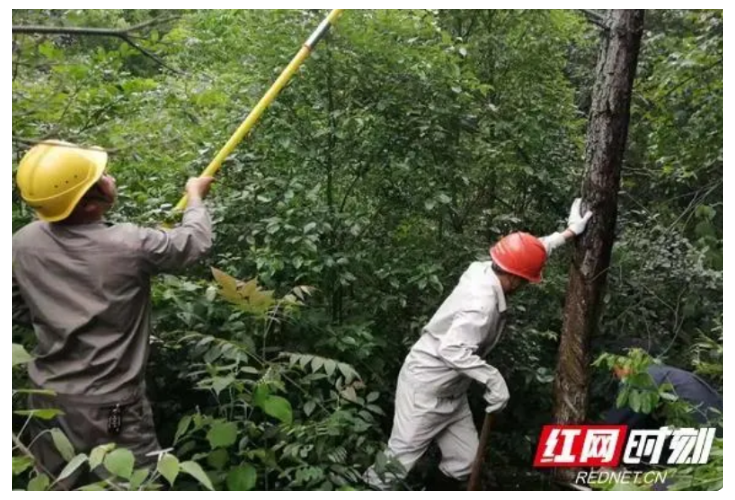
x=606 y=137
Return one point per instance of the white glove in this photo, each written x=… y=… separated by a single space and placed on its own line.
x=496 y=394
x=577 y=222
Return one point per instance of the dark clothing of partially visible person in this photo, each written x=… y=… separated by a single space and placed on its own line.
x=687 y=386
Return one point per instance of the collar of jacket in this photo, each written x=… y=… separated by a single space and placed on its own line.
x=496 y=286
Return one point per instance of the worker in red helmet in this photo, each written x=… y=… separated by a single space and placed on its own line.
x=431 y=397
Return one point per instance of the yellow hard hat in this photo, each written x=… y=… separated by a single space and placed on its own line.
x=54 y=175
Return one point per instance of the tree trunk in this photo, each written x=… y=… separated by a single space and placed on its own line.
x=606 y=136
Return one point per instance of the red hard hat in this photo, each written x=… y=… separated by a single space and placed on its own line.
x=521 y=254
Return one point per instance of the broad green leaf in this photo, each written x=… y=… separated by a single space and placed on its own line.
x=375 y=409
x=349 y=373
x=304 y=360
x=219 y=384
x=279 y=408
x=48 y=50
x=668 y=396
x=20 y=355
x=168 y=467
x=20 y=464
x=182 y=428
x=210 y=357
x=242 y=478
x=218 y=458
x=260 y=394
x=635 y=401
x=138 y=477
x=120 y=462
x=195 y=470
x=329 y=366
x=62 y=443
x=309 y=407
x=349 y=394
x=317 y=363
x=93 y=487
x=72 y=466
x=39 y=483
x=648 y=402
x=98 y=486
x=222 y=434
x=98 y=454
x=641 y=381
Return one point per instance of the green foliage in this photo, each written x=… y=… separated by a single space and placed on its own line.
x=639 y=392
x=708 y=354
x=710 y=476
x=118 y=462
x=407 y=143
x=20 y=355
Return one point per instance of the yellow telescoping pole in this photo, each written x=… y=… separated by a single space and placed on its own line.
x=268 y=98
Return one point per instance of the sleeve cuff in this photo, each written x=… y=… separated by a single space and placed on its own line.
x=552 y=242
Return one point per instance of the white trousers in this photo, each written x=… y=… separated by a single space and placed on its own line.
x=420 y=418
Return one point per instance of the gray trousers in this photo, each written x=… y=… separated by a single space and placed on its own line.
x=86 y=424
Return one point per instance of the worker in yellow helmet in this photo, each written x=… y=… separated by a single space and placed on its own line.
x=83 y=284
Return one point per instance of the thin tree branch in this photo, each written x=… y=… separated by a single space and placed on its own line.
x=55 y=130
x=77 y=30
x=677 y=329
x=150 y=55
x=131 y=146
x=91 y=121
x=467 y=32
x=694 y=202
x=152 y=22
x=32 y=142
x=693 y=76
x=16 y=63
x=594 y=17
x=122 y=34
